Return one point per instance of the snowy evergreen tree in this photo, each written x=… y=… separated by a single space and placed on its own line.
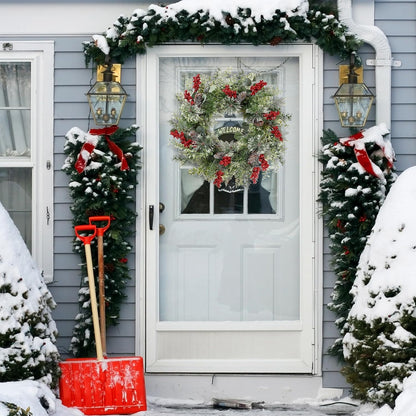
x=380 y=336
x=351 y=197
x=27 y=330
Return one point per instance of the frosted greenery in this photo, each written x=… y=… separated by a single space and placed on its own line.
x=251 y=144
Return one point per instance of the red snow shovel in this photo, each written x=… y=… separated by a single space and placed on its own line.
x=102 y=386
x=105 y=222
x=94 y=309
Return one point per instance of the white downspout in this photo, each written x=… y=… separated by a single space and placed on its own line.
x=383 y=61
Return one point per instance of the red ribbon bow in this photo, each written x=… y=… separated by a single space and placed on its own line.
x=357 y=141
x=88 y=148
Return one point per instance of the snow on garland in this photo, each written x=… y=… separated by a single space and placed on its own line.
x=357 y=174
x=246 y=144
x=380 y=335
x=226 y=22
x=102 y=167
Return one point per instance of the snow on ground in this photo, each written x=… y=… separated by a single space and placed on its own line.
x=29 y=394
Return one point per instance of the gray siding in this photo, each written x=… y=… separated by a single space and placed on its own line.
x=397 y=19
x=72 y=81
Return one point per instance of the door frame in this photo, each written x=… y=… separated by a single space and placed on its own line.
x=142 y=204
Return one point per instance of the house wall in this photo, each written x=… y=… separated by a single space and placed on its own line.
x=397 y=19
x=72 y=80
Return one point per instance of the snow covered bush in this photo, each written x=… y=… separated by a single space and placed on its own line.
x=27 y=330
x=380 y=334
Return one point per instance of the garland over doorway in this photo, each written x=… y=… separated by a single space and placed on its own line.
x=225 y=22
x=229 y=22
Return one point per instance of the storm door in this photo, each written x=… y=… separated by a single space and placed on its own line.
x=229 y=273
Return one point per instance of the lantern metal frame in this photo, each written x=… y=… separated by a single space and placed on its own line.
x=353 y=100
x=106 y=99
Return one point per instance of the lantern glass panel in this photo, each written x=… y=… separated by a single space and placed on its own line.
x=353 y=103
x=106 y=101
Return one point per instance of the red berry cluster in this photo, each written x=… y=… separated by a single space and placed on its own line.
x=219 y=180
x=263 y=162
x=277 y=133
x=257 y=87
x=271 y=116
x=229 y=92
x=181 y=136
x=188 y=97
x=225 y=161
x=197 y=82
x=255 y=174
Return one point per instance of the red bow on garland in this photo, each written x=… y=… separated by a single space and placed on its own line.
x=374 y=135
x=89 y=146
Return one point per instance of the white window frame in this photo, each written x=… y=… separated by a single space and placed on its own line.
x=41 y=56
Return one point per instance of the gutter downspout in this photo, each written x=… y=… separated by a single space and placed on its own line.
x=383 y=61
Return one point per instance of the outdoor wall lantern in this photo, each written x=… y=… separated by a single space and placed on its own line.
x=106 y=99
x=353 y=100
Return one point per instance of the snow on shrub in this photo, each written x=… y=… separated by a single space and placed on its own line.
x=27 y=330
x=380 y=339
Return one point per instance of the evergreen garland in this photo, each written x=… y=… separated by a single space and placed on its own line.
x=102 y=189
x=351 y=199
x=129 y=36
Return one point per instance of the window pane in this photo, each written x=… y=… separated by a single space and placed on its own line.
x=16 y=197
x=262 y=196
x=15 y=92
x=228 y=199
x=194 y=194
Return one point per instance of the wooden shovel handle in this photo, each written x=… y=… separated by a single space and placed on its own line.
x=94 y=307
x=86 y=239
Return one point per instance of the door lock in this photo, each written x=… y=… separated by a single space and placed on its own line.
x=161 y=207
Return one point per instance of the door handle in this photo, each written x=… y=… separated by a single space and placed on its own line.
x=151 y=216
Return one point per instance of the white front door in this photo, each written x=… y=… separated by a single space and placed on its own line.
x=230 y=281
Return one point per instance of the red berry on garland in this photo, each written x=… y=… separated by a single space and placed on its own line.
x=225 y=161
x=188 y=97
x=197 y=82
x=255 y=174
x=229 y=92
x=277 y=133
x=257 y=87
x=219 y=180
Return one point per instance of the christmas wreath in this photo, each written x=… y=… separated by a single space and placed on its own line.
x=228 y=128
